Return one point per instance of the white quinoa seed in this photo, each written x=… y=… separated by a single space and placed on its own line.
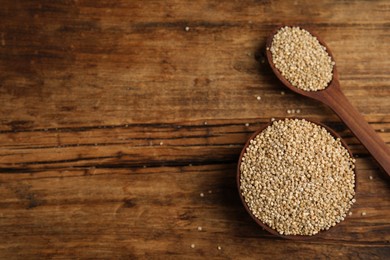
x=187 y=28
x=371 y=178
x=192 y=245
x=301 y=59
x=219 y=248
x=201 y=194
x=364 y=213
x=297 y=178
x=200 y=228
x=246 y=124
x=258 y=98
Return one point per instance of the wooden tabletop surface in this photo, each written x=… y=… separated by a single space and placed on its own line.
x=122 y=121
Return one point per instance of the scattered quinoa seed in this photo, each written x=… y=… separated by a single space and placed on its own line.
x=371 y=177
x=382 y=130
x=161 y=143
x=289 y=111
x=282 y=93
x=187 y=28
x=199 y=228
x=297 y=178
x=219 y=248
x=201 y=194
x=246 y=124
x=363 y=213
x=205 y=123
x=301 y=59
x=350 y=213
x=298 y=111
x=272 y=119
x=258 y=97
x=192 y=245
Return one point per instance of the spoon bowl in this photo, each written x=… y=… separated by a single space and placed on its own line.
x=318 y=95
x=338 y=102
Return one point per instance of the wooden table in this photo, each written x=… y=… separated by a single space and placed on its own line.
x=122 y=122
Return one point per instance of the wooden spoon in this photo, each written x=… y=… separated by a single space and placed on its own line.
x=338 y=102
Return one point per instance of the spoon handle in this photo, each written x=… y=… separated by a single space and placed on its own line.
x=339 y=103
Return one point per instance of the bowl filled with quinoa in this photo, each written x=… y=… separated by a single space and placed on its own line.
x=296 y=178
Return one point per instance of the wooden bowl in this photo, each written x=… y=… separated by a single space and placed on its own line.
x=258 y=221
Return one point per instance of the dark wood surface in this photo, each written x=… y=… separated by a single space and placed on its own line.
x=114 y=119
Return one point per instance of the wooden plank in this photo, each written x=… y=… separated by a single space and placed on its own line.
x=67 y=72
x=213 y=141
x=159 y=212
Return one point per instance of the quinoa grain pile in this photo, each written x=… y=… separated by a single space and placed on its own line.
x=301 y=59
x=297 y=178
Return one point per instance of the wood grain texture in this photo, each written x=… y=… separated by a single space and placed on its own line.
x=114 y=119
